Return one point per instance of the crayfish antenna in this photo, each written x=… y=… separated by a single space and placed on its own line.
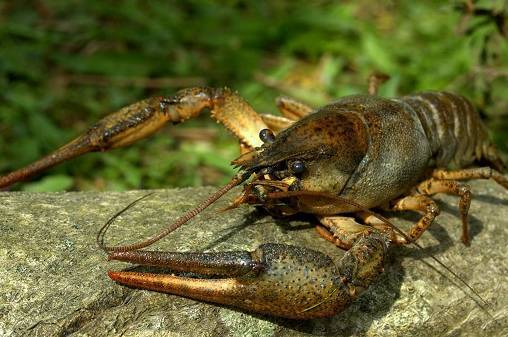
x=238 y=179
x=104 y=228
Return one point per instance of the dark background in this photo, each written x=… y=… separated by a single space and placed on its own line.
x=64 y=64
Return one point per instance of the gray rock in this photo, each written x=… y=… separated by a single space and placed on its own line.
x=54 y=282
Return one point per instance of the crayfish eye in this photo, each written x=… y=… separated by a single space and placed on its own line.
x=266 y=136
x=297 y=167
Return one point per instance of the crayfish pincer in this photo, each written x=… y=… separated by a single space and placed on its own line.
x=275 y=279
x=336 y=162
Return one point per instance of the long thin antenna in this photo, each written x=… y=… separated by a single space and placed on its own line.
x=173 y=226
x=104 y=228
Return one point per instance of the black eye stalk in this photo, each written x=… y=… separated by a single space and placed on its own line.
x=266 y=136
x=297 y=167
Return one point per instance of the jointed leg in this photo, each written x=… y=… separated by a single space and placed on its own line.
x=433 y=186
x=419 y=203
x=276 y=123
x=444 y=181
x=472 y=173
x=342 y=231
x=292 y=109
x=375 y=81
x=144 y=118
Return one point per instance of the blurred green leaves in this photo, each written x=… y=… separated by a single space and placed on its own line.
x=52 y=183
x=65 y=64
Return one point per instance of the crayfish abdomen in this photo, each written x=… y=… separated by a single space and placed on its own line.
x=453 y=127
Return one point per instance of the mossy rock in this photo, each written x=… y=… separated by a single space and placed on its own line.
x=54 y=282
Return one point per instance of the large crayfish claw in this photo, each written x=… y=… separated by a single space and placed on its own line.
x=275 y=279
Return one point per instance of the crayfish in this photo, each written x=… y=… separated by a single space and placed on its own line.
x=336 y=162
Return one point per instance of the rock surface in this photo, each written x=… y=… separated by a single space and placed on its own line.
x=53 y=278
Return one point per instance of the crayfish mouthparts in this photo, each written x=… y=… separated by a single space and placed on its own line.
x=275 y=279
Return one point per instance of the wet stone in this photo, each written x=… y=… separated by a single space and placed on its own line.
x=53 y=279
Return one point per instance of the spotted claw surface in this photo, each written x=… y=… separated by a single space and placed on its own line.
x=275 y=279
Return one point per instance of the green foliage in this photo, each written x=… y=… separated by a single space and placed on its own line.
x=52 y=183
x=65 y=64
